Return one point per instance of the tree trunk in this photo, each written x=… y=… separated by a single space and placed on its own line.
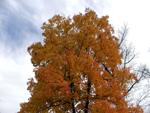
x=87 y=99
x=72 y=89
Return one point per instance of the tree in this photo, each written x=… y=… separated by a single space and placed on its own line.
x=77 y=68
x=140 y=86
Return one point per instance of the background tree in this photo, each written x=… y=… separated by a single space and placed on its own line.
x=77 y=68
x=138 y=90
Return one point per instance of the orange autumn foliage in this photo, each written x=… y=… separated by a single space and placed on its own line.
x=77 y=68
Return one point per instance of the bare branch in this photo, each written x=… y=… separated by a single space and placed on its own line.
x=122 y=35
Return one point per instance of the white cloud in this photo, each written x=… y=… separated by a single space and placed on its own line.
x=135 y=14
x=15 y=69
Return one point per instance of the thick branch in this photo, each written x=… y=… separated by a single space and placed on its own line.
x=106 y=69
x=131 y=87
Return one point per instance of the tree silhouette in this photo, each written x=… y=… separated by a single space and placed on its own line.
x=77 y=68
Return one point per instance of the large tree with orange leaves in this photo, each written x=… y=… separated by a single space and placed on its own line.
x=77 y=68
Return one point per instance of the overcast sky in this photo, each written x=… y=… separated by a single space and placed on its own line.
x=20 y=22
